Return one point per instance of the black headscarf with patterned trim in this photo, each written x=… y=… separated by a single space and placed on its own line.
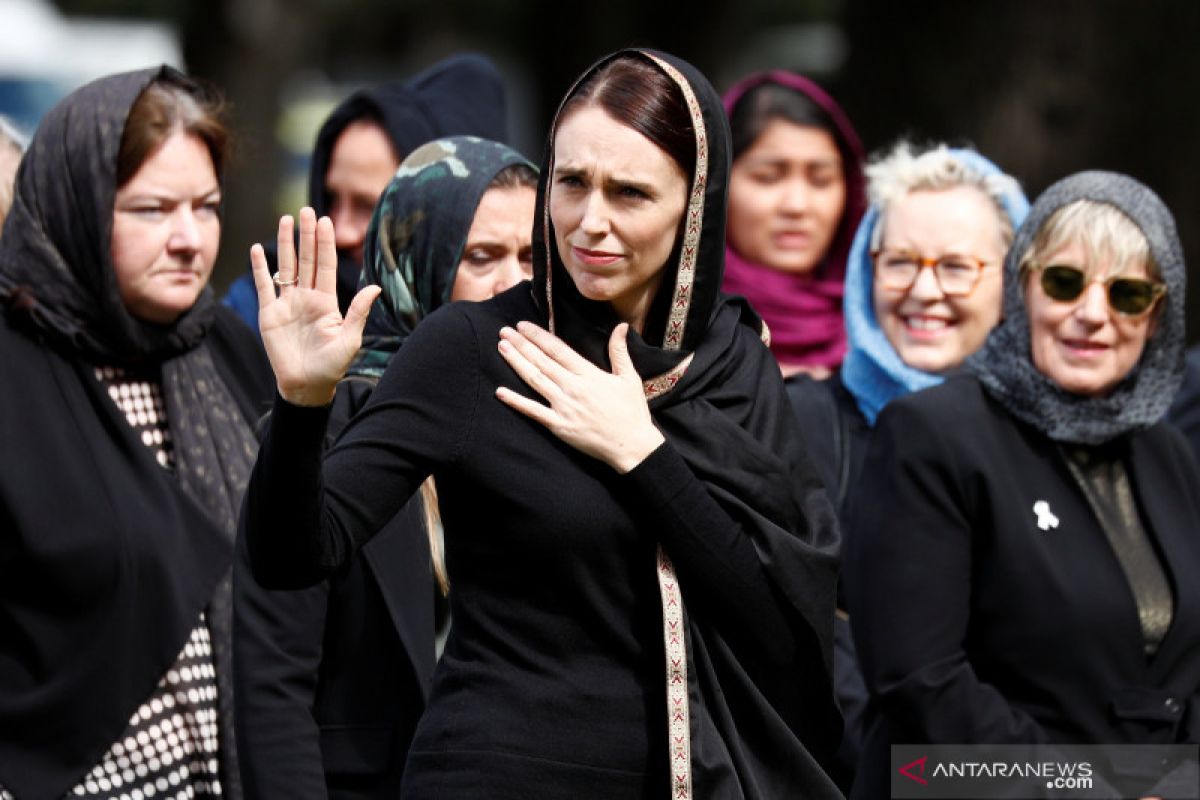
x=679 y=315
x=763 y=718
x=416 y=237
x=89 y=647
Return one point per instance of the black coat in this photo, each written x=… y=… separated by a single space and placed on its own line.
x=835 y=435
x=331 y=680
x=91 y=527
x=975 y=625
x=1185 y=410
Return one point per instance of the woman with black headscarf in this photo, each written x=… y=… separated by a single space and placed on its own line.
x=642 y=569
x=332 y=679
x=127 y=431
x=1022 y=563
x=364 y=139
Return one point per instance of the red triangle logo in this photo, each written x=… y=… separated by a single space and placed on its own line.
x=915 y=770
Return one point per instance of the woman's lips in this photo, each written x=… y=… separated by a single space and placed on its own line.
x=181 y=274
x=792 y=240
x=595 y=258
x=924 y=327
x=1084 y=347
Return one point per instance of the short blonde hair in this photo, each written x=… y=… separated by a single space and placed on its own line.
x=13 y=143
x=904 y=169
x=1104 y=231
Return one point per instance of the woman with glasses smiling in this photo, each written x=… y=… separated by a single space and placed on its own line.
x=1024 y=570
x=923 y=288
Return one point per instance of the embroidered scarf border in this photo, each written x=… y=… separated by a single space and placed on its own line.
x=674 y=637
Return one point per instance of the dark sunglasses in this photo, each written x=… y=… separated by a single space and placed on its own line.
x=1129 y=296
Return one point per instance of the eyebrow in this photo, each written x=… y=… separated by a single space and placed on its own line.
x=646 y=187
x=170 y=196
x=486 y=244
x=773 y=159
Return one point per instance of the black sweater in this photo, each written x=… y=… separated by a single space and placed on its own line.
x=552 y=683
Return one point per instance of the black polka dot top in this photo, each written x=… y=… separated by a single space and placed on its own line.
x=169 y=750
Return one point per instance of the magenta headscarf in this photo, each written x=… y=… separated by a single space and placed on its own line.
x=804 y=312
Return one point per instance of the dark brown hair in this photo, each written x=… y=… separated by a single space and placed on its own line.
x=639 y=95
x=515 y=176
x=768 y=102
x=172 y=102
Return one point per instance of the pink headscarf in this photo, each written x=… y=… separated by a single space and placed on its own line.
x=804 y=312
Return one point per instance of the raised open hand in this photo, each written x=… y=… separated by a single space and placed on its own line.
x=599 y=413
x=309 y=344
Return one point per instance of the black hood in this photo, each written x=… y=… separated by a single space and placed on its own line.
x=460 y=96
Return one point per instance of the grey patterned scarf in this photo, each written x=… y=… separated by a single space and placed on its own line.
x=1005 y=367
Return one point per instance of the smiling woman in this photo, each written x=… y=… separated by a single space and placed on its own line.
x=611 y=444
x=1092 y=290
x=923 y=288
x=1043 y=480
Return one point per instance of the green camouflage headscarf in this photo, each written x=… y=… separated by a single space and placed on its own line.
x=416 y=237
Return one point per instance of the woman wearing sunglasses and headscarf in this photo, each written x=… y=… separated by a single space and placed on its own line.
x=1024 y=570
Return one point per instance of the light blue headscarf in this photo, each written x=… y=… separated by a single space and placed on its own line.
x=873 y=371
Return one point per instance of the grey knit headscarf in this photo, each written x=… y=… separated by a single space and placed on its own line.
x=1005 y=365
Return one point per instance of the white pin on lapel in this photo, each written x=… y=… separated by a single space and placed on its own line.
x=1045 y=517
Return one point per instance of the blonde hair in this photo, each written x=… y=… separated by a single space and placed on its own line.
x=1103 y=230
x=904 y=169
x=14 y=142
x=434 y=530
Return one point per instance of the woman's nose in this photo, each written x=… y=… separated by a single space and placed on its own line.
x=925 y=286
x=508 y=274
x=796 y=193
x=595 y=220
x=1093 y=305
x=185 y=230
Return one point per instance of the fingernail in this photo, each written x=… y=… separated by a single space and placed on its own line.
x=506 y=331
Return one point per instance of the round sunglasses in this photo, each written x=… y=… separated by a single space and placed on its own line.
x=1131 y=297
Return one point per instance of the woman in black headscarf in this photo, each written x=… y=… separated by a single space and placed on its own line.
x=664 y=475
x=1022 y=560
x=332 y=679
x=128 y=442
x=462 y=95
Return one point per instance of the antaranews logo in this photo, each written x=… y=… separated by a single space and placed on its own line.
x=982 y=772
x=915 y=770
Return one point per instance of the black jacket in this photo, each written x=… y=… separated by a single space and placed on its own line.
x=85 y=540
x=1185 y=410
x=331 y=680
x=974 y=624
x=835 y=434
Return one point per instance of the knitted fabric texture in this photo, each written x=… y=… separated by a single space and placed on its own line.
x=1005 y=367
